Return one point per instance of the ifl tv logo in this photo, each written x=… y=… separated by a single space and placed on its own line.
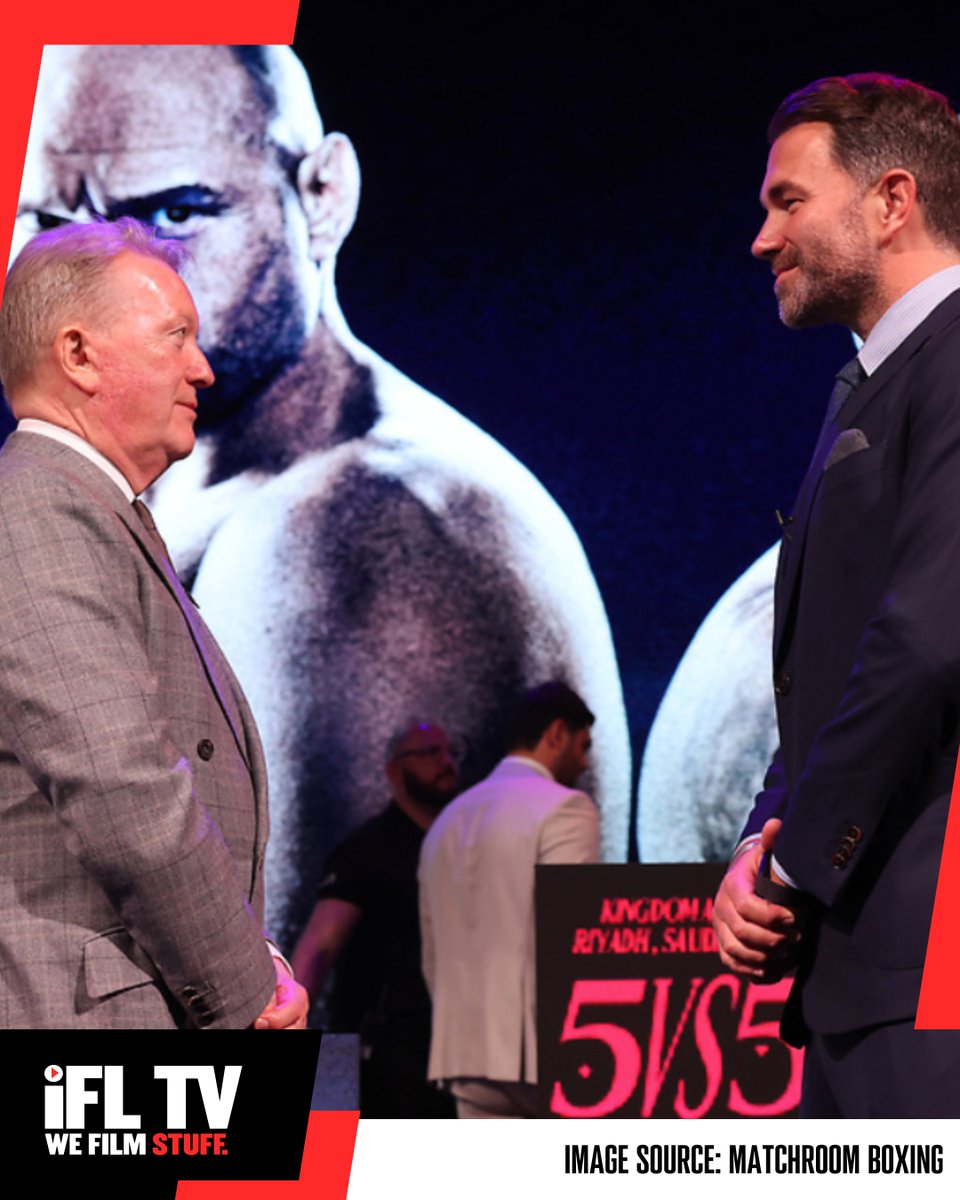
x=75 y=1097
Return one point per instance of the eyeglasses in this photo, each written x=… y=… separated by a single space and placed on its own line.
x=442 y=751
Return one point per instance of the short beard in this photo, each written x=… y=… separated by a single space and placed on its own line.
x=429 y=794
x=836 y=284
x=831 y=299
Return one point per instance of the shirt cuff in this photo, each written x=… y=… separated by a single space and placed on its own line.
x=275 y=953
x=744 y=845
x=782 y=873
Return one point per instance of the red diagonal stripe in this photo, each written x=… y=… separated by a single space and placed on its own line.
x=940 y=992
x=324 y=1173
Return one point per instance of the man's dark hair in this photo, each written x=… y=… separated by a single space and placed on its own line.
x=538 y=708
x=880 y=122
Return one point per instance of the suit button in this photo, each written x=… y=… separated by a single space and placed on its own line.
x=840 y=860
x=783 y=683
x=197 y=1005
x=855 y=833
x=205 y=749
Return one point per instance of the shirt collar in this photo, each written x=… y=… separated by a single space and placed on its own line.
x=903 y=317
x=67 y=438
x=530 y=762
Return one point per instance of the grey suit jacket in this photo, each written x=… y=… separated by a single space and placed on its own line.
x=477 y=916
x=132 y=787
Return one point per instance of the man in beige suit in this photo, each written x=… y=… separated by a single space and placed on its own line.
x=476 y=903
x=132 y=783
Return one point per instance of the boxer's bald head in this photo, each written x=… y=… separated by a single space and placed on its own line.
x=220 y=147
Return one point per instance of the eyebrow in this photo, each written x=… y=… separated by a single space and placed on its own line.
x=776 y=193
x=195 y=195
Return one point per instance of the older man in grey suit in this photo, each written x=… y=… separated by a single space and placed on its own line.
x=132 y=789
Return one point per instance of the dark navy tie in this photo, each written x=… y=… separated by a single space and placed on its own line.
x=849 y=378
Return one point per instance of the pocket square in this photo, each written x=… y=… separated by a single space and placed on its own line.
x=850 y=441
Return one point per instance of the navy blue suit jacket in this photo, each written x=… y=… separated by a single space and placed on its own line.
x=867 y=674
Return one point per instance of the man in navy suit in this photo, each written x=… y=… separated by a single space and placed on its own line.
x=837 y=868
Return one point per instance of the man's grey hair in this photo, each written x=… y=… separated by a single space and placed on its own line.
x=60 y=276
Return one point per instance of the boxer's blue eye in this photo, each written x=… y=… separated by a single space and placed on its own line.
x=175 y=211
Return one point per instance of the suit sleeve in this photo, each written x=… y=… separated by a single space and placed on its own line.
x=81 y=710
x=770 y=801
x=895 y=728
x=571 y=834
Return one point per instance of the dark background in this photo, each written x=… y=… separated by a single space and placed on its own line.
x=558 y=203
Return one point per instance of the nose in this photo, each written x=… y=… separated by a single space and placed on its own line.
x=768 y=241
x=201 y=373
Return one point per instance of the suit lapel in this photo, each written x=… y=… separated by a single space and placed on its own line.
x=90 y=479
x=219 y=675
x=795 y=531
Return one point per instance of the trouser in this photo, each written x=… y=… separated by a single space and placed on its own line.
x=494 y=1099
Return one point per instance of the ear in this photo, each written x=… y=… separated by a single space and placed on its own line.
x=393 y=772
x=557 y=734
x=77 y=358
x=896 y=201
x=328 y=181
